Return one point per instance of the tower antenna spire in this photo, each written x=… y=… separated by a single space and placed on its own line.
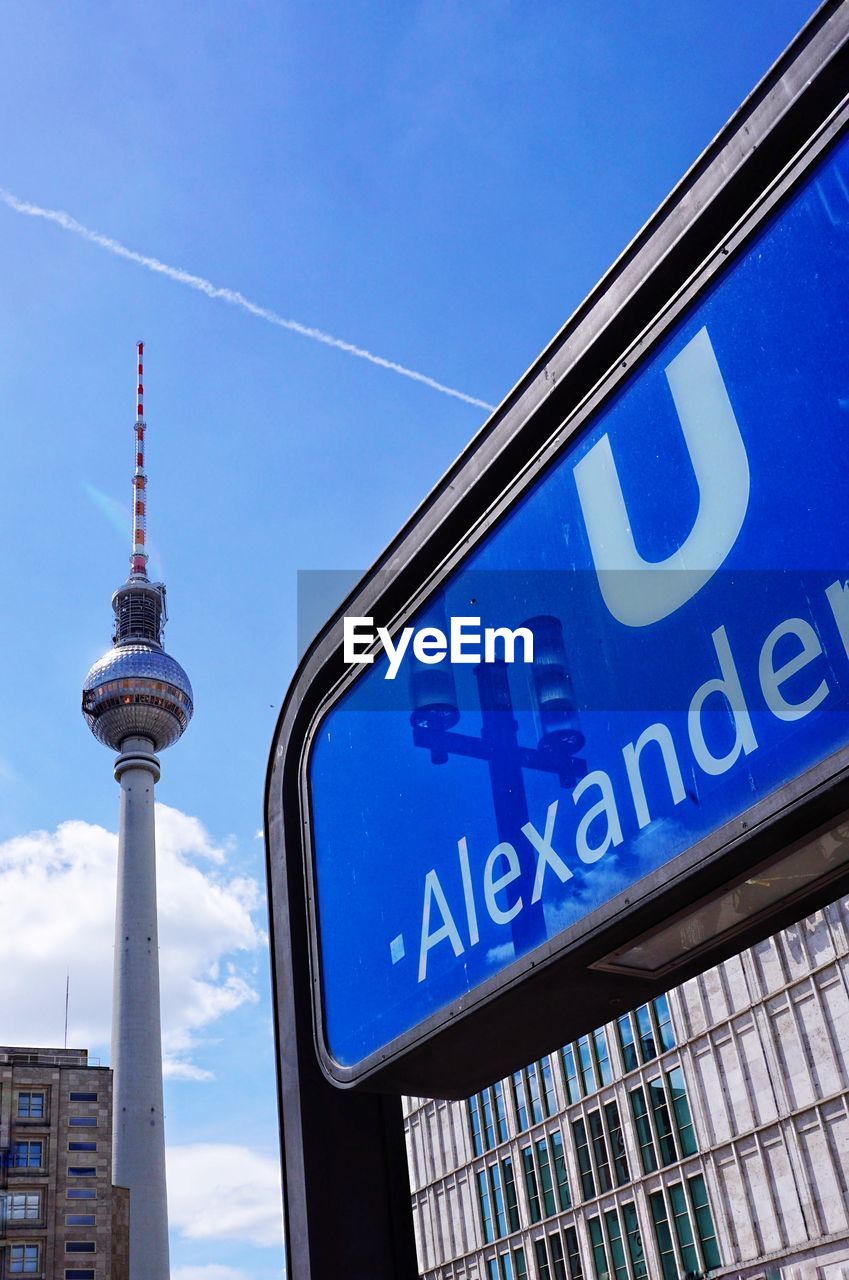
x=138 y=560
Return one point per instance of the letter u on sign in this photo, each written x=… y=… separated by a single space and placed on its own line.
x=639 y=592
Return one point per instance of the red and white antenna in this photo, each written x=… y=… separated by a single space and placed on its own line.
x=138 y=559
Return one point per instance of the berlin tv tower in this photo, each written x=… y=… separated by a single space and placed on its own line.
x=138 y=700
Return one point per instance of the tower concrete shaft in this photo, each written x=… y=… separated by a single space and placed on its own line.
x=138 y=1150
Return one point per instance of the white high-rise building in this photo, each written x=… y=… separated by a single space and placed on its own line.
x=138 y=700
x=704 y=1134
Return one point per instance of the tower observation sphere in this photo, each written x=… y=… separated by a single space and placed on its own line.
x=137 y=700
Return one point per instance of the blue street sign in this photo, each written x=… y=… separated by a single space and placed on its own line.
x=692 y=543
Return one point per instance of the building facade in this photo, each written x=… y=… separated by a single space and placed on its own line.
x=60 y=1216
x=704 y=1134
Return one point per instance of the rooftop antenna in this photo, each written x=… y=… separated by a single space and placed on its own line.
x=138 y=560
x=67 y=993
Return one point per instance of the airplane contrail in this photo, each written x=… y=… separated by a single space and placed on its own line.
x=236 y=299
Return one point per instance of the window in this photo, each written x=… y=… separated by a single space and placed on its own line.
x=543 y=1269
x=82 y=1146
x=616 y=1245
x=602 y=1055
x=602 y=1163
x=531 y=1185
x=599 y=1255
x=492 y=1269
x=27 y=1155
x=500 y=1111
x=626 y=1043
x=663 y=1018
x=510 y=1192
x=570 y=1071
x=81 y=1171
x=573 y=1253
x=24 y=1206
x=561 y=1176
x=544 y=1166
x=663 y=1236
x=79 y=1246
x=662 y=1121
x=507 y=1272
x=532 y=1077
x=585 y=1064
x=23 y=1259
x=558 y=1262
x=79 y=1273
x=645 y=1033
x=683 y=1228
x=520 y=1099
x=681 y=1111
x=648 y=1158
x=582 y=1149
x=634 y=1238
x=79 y=1219
x=498 y=1200
x=80 y=1122
x=31 y=1106
x=617 y=1143
x=83 y=1097
x=485 y=1207
x=704 y=1221
x=519 y=1264
x=488 y=1120
x=474 y=1123
x=548 y=1090
x=81 y=1193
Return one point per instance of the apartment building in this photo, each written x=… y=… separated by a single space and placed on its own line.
x=60 y=1216
x=703 y=1134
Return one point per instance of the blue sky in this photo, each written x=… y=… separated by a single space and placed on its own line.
x=438 y=183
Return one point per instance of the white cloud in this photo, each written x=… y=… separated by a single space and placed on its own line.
x=59 y=889
x=209 y=1271
x=222 y=1191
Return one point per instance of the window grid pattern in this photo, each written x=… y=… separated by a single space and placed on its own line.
x=534 y=1093
x=684 y=1229
x=586 y=1065
x=497 y=1200
x=645 y=1034
x=30 y=1105
x=24 y=1206
x=487 y=1118
x=663 y=1121
x=27 y=1155
x=24 y=1259
x=591 y=1151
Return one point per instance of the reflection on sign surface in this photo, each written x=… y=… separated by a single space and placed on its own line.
x=684 y=565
